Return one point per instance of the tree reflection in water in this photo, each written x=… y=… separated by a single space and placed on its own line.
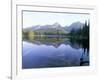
x=84 y=43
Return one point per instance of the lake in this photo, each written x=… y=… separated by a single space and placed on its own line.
x=47 y=52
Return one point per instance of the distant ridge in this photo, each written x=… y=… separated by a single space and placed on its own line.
x=57 y=26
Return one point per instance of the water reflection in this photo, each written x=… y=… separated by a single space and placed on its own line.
x=42 y=52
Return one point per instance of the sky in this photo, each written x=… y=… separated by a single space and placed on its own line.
x=44 y=18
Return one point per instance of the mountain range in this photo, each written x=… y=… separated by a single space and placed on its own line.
x=74 y=26
x=57 y=26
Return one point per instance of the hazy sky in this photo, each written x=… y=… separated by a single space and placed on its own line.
x=43 y=18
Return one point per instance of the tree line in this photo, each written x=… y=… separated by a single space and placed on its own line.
x=82 y=32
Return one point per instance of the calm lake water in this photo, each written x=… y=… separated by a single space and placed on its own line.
x=54 y=52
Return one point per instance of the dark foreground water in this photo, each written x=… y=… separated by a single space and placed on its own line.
x=54 y=52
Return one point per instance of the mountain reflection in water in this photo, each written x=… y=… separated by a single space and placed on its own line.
x=43 y=52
